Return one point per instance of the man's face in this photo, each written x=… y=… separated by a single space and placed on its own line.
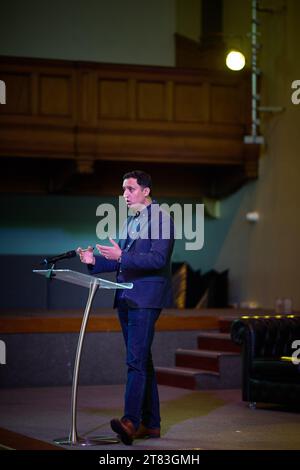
x=134 y=194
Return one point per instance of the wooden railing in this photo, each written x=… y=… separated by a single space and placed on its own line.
x=92 y=111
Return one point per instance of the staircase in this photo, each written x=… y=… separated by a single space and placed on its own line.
x=216 y=364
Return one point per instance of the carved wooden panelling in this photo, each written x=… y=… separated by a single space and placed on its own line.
x=18 y=99
x=88 y=111
x=55 y=95
x=151 y=101
x=191 y=104
x=225 y=104
x=113 y=99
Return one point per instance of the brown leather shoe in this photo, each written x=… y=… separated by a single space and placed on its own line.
x=146 y=433
x=124 y=428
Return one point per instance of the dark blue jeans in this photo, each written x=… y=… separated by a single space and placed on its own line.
x=141 y=395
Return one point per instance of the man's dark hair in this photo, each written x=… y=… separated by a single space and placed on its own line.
x=142 y=178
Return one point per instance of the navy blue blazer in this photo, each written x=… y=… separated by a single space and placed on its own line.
x=146 y=260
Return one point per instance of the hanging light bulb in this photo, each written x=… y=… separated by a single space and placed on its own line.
x=235 y=60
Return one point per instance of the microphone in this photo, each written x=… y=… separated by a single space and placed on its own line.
x=68 y=254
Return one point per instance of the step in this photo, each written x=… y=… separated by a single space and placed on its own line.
x=217 y=341
x=200 y=358
x=225 y=323
x=189 y=378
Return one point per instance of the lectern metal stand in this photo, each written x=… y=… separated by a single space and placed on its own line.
x=93 y=283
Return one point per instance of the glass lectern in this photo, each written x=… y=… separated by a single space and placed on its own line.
x=92 y=283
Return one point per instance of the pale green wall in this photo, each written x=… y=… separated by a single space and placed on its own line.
x=117 y=31
x=188 y=18
x=263 y=258
x=237 y=25
x=46 y=225
x=32 y=224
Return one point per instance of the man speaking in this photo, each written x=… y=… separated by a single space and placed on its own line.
x=143 y=257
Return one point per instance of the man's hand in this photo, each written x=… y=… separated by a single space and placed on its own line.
x=86 y=256
x=110 y=252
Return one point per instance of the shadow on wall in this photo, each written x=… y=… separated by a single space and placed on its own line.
x=21 y=289
x=192 y=289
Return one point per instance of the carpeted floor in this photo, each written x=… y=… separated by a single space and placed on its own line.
x=190 y=419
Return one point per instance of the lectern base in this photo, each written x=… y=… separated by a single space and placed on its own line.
x=86 y=442
x=92 y=283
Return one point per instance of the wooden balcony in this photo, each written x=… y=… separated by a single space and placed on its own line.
x=90 y=112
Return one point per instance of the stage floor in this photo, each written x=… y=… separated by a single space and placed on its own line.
x=208 y=420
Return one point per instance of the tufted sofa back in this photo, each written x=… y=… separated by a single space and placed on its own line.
x=267 y=336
